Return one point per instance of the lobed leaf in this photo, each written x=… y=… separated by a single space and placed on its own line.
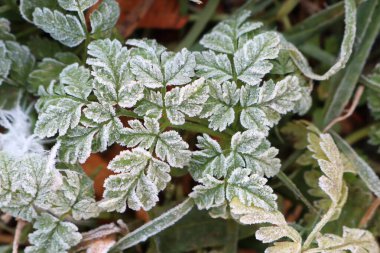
x=105 y=17
x=67 y=29
x=52 y=235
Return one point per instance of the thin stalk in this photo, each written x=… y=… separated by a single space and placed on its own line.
x=84 y=24
x=358 y=135
x=292 y=187
x=204 y=16
x=232 y=240
x=196 y=128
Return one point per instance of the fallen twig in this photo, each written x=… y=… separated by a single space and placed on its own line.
x=350 y=111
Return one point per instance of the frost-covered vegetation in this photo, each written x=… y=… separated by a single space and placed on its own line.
x=209 y=114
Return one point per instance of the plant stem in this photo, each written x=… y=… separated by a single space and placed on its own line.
x=197 y=28
x=358 y=135
x=232 y=237
x=197 y=128
x=292 y=187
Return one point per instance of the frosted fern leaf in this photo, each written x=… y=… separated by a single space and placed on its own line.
x=151 y=105
x=353 y=240
x=76 y=80
x=141 y=178
x=249 y=188
x=210 y=193
x=159 y=68
x=105 y=17
x=113 y=81
x=140 y=135
x=5 y=28
x=7 y=170
x=49 y=69
x=219 y=106
x=75 y=195
x=76 y=5
x=147 y=48
x=277 y=230
x=252 y=151
x=67 y=29
x=52 y=235
x=224 y=37
x=329 y=159
x=173 y=149
x=179 y=69
x=5 y=64
x=22 y=61
x=209 y=160
x=188 y=101
x=79 y=142
x=31 y=182
x=213 y=66
x=27 y=7
x=252 y=60
x=262 y=106
x=58 y=115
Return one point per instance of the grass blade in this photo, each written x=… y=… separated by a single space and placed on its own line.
x=356 y=64
x=154 y=226
x=365 y=172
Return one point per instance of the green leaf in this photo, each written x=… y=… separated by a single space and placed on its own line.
x=48 y=70
x=151 y=105
x=5 y=64
x=77 y=81
x=52 y=235
x=75 y=195
x=179 y=69
x=252 y=151
x=263 y=106
x=30 y=182
x=42 y=47
x=213 y=66
x=224 y=36
x=76 y=5
x=219 y=106
x=172 y=148
x=188 y=101
x=80 y=141
x=209 y=160
x=250 y=189
x=252 y=60
x=140 y=135
x=211 y=193
x=141 y=178
x=27 y=7
x=22 y=62
x=58 y=114
x=113 y=80
x=67 y=29
x=5 y=29
x=104 y=18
